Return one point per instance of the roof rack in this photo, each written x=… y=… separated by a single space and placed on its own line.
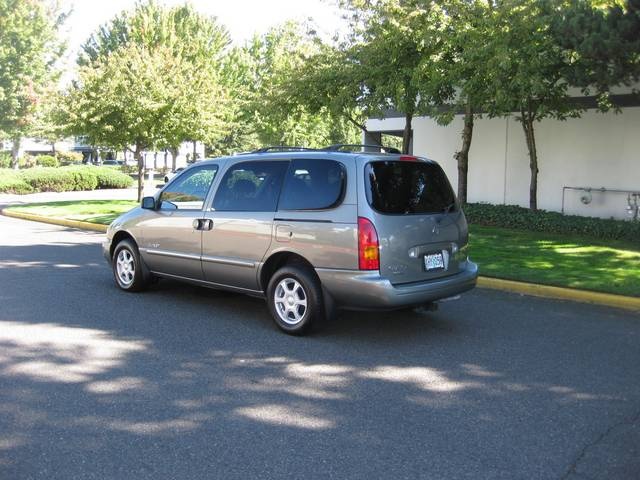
x=341 y=146
x=283 y=148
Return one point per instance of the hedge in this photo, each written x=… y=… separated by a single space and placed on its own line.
x=47 y=161
x=63 y=179
x=519 y=218
x=11 y=182
x=110 y=178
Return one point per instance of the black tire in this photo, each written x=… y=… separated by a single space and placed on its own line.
x=289 y=314
x=135 y=278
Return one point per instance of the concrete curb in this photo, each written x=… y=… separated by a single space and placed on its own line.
x=533 y=289
x=56 y=221
x=546 y=291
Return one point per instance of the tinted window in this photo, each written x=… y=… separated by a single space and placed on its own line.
x=405 y=187
x=313 y=185
x=251 y=186
x=189 y=190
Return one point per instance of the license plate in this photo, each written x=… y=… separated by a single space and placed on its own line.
x=434 y=261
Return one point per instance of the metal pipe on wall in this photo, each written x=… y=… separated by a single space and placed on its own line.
x=593 y=189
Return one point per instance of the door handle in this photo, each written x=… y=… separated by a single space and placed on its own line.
x=202 y=224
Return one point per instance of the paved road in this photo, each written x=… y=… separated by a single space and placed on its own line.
x=183 y=382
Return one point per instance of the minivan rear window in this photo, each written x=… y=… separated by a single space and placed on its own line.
x=407 y=187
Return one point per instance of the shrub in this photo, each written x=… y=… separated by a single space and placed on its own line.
x=12 y=182
x=63 y=179
x=47 y=161
x=84 y=178
x=26 y=161
x=518 y=218
x=5 y=159
x=112 y=178
x=129 y=169
x=49 y=180
x=68 y=158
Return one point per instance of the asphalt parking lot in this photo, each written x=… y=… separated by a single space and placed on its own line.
x=185 y=382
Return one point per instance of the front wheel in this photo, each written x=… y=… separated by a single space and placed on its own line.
x=295 y=299
x=127 y=267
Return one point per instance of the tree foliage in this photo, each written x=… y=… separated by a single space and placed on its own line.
x=464 y=69
x=265 y=113
x=393 y=54
x=601 y=44
x=527 y=73
x=29 y=48
x=151 y=78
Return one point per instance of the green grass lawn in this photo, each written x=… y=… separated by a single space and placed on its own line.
x=551 y=259
x=93 y=211
x=561 y=260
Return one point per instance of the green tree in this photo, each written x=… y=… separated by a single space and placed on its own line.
x=527 y=73
x=29 y=48
x=463 y=65
x=264 y=111
x=323 y=81
x=50 y=122
x=151 y=78
x=393 y=55
x=601 y=44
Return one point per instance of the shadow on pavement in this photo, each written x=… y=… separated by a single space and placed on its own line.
x=185 y=382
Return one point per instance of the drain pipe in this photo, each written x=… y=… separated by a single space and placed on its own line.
x=630 y=193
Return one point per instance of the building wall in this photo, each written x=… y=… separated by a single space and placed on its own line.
x=596 y=150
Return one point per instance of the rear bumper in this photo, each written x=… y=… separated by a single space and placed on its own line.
x=368 y=290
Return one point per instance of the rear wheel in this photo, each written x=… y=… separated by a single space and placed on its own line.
x=295 y=299
x=128 y=270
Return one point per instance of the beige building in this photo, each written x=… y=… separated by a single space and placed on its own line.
x=592 y=162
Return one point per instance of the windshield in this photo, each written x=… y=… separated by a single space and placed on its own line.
x=407 y=187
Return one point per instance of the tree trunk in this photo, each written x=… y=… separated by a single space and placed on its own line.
x=195 y=153
x=174 y=159
x=138 y=156
x=53 y=148
x=165 y=158
x=406 y=135
x=15 y=150
x=527 y=125
x=155 y=160
x=462 y=156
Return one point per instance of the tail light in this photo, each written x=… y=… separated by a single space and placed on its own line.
x=368 y=246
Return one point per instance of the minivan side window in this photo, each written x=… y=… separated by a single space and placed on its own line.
x=189 y=190
x=251 y=187
x=313 y=184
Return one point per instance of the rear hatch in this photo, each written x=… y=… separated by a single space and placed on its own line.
x=417 y=218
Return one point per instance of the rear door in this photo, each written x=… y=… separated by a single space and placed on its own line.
x=416 y=216
x=241 y=225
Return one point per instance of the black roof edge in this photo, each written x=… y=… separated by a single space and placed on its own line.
x=340 y=146
x=284 y=148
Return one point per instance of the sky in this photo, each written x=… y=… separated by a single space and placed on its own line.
x=241 y=17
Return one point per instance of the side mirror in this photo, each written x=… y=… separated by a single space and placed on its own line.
x=149 y=203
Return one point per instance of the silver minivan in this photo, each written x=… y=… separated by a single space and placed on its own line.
x=310 y=231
